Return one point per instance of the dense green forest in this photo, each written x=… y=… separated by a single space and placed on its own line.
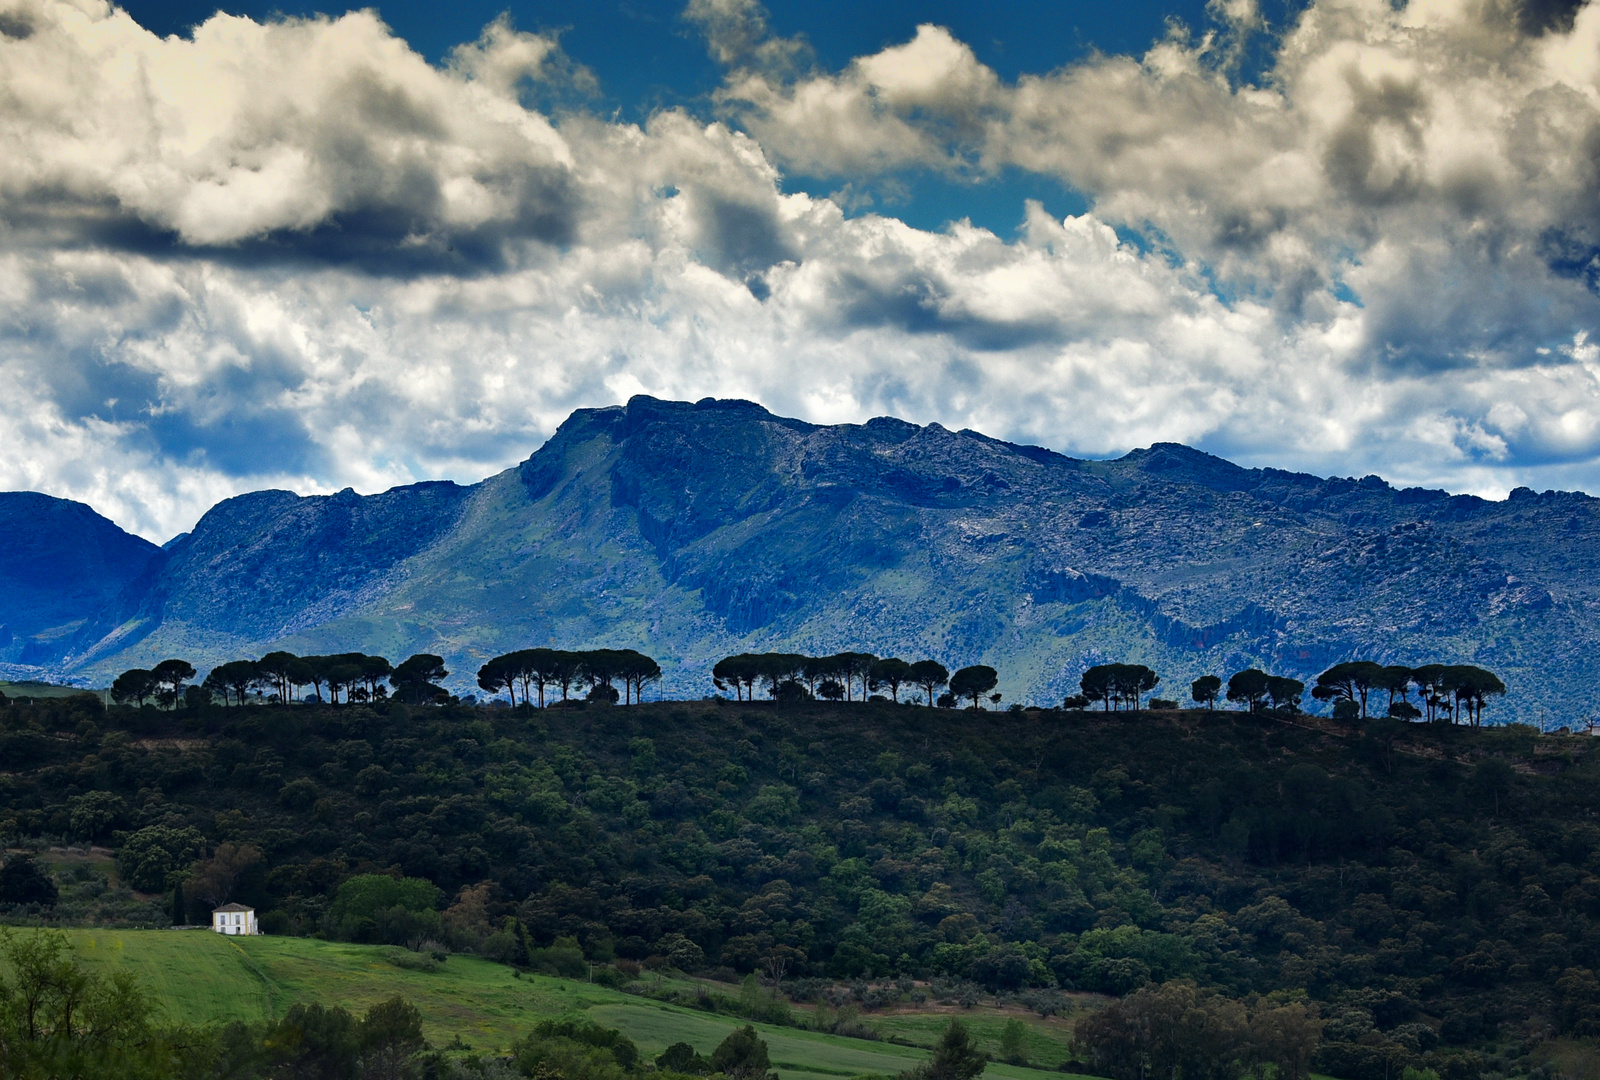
x=1429 y=890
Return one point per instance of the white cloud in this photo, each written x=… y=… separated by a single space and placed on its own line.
x=1432 y=158
x=250 y=131
x=296 y=254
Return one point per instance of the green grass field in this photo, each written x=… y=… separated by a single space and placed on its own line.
x=201 y=977
x=1046 y=1044
x=48 y=690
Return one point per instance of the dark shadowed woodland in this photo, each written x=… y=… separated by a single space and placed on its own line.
x=1423 y=895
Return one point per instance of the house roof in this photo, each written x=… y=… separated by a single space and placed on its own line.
x=231 y=907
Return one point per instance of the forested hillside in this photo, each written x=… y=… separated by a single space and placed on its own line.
x=1432 y=889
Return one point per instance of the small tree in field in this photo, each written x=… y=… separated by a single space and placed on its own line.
x=170 y=675
x=1249 y=687
x=1285 y=692
x=495 y=676
x=1205 y=690
x=1472 y=687
x=929 y=675
x=1116 y=685
x=974 y=682
x=1099 y=684
x=1133 y=681
x=889 y=673
x=850 y=667
x=235 y=677
x=1350 y=681
x=416 y=679
x=135 y=685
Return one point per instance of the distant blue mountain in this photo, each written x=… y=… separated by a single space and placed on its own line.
x=694 y=530
x=60 y=563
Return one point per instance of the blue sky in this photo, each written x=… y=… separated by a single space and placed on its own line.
x=316 y=248
x=646 y=55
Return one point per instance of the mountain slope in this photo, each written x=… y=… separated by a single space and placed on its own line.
x=694 y=530
x=260 y=566
x=59 y=562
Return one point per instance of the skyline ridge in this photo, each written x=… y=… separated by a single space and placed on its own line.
x=1130 y=453
x=693 y=530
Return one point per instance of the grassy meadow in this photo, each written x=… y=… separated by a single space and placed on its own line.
x=201 y=977
x=40 y=690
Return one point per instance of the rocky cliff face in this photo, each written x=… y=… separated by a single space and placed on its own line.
x=691 y=530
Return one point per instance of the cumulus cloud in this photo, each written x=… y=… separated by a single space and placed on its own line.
x=325 y=138
x=737 y=34
x=1435 y=159
x=297 y=254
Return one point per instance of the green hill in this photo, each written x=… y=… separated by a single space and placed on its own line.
x=1430 y=891
x=202 y=978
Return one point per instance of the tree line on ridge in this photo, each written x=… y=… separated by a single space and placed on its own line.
x=1446 y=691
x=1451 y=692
x=280 y=676
x=845 y=676
x=533 y=670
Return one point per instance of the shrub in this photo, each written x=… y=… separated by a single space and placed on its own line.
x=564 y=958
x=680 y=1057
x=377 y=907
x=743 y=1056
x=149 y=855
x=23 y=881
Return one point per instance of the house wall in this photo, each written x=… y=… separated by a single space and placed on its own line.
x=234 y=922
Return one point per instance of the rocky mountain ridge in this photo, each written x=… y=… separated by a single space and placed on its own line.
x=692 y=530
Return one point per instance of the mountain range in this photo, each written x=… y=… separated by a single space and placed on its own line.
x=690 y=531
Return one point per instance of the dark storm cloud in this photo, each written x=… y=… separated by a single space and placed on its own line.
x=741 y=237
x=1548 y=16
x=921 y=305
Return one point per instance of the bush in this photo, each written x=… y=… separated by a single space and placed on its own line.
x=92 y=814
x=298 y=794
x=149 y=855
x=575 y=1050
x=1013 y=1042
x=23 y=881
x=682 y=1058
x=954 y=1058
x=376 y=907
x=590 y=1033
x=412 y=961
x=564 y=958
x=1004 y=968
x=743 y=1056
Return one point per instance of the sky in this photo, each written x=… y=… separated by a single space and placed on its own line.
x=312 y=247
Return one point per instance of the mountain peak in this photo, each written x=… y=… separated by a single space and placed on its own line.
x=691 y=530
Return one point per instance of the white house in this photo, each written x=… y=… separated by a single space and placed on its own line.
x=234 y=919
